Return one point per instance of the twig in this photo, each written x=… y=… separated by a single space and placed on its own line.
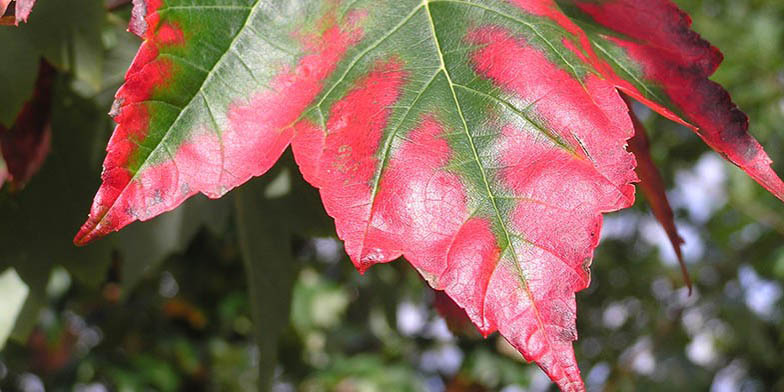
x=112 y=5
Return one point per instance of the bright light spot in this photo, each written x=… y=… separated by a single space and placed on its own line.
x=435 y=384
x=29 y=382
x=445 y=359
x=328 y=249
x=598 y=376
x=168 y=286
x=13 y=292
x=539 y=381
x=283 y=387
x=280 y=186
x=513 y=388
x=693 y=320
x=88 y=338
x=94 y=387
x=620 y=226
x=639 y=357
x=411 y=319
x=661 y=288
x=615 y=315
x=644 y=363
x=438 y=330
x=729 y=379
x=749 y=234
x=59 y=282
x=702 y=349
x=702 y=189
x=761 y=295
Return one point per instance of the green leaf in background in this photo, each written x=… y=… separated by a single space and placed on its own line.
x=270 y=213
x=270 y=268
x=68 y=35
x=168 y=235
x=53 y=203
x=18 y=70
x=13 y=291
x=65 y=33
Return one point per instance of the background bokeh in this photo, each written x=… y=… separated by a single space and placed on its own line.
x=168 y=308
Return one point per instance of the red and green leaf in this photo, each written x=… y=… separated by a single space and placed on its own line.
x=481 y=140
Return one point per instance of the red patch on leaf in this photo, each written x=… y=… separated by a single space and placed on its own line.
x=170 y=35
x=342 y=162
x=590 y=117
x=561 y=183
x=418 y=206
x=550 y=9
x=260 y=130
x=419 y=209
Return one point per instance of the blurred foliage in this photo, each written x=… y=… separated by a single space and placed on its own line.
x=164 y=305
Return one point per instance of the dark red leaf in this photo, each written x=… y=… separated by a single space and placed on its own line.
x=647 y=48
x=25 y=145
x=653 y=188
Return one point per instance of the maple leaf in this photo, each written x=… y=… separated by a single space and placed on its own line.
x=481 y=140
x=21 y=11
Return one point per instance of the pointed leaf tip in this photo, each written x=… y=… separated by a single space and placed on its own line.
x=86 y=234
x=652 y=186
x=655 y=57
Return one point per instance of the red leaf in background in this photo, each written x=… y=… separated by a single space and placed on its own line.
x=21 y=11
x=456 y=318
x=654 y=190
x=25 y=145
